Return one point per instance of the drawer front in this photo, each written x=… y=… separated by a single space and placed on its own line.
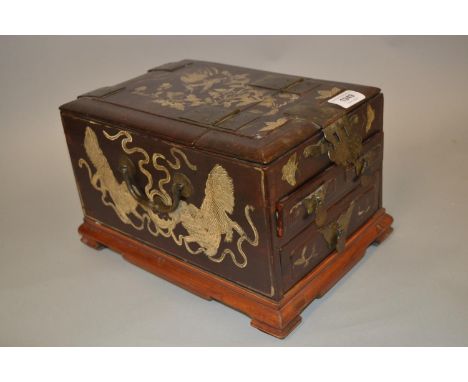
x=217 y=221
x=309 y=248
x=310 y=202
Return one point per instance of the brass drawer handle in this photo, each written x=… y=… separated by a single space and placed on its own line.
x=336 y=232
x=315 y=202
x=181 y=188
x=365 y=167
x=363 y=176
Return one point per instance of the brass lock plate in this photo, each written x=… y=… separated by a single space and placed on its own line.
x=342 y=141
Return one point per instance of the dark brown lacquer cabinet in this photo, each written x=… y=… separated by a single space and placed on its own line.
x=256 y=189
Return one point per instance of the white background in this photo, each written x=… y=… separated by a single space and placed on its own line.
x=410 y=291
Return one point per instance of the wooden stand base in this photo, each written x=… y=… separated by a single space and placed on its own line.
x=277 y=318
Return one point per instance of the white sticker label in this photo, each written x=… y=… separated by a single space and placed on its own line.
x=347 y=99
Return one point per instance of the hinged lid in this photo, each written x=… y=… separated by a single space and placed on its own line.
x=248 y=114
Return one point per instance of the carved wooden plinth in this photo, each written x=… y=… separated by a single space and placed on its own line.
x=277 y=318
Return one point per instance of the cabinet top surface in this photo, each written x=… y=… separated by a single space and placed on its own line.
x=249 y=114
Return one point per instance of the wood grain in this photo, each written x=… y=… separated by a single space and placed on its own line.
x=277 y=318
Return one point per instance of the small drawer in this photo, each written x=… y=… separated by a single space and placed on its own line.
x=310 y=202
x=310 y=247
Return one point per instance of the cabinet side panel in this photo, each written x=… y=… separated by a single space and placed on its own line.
x=221 y=227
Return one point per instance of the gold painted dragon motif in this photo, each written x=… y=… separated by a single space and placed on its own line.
x=207 y=227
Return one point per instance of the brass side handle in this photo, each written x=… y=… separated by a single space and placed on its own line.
x=180 y=188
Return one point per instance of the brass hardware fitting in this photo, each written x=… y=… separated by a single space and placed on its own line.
x=336 y=232
x=315 y=203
